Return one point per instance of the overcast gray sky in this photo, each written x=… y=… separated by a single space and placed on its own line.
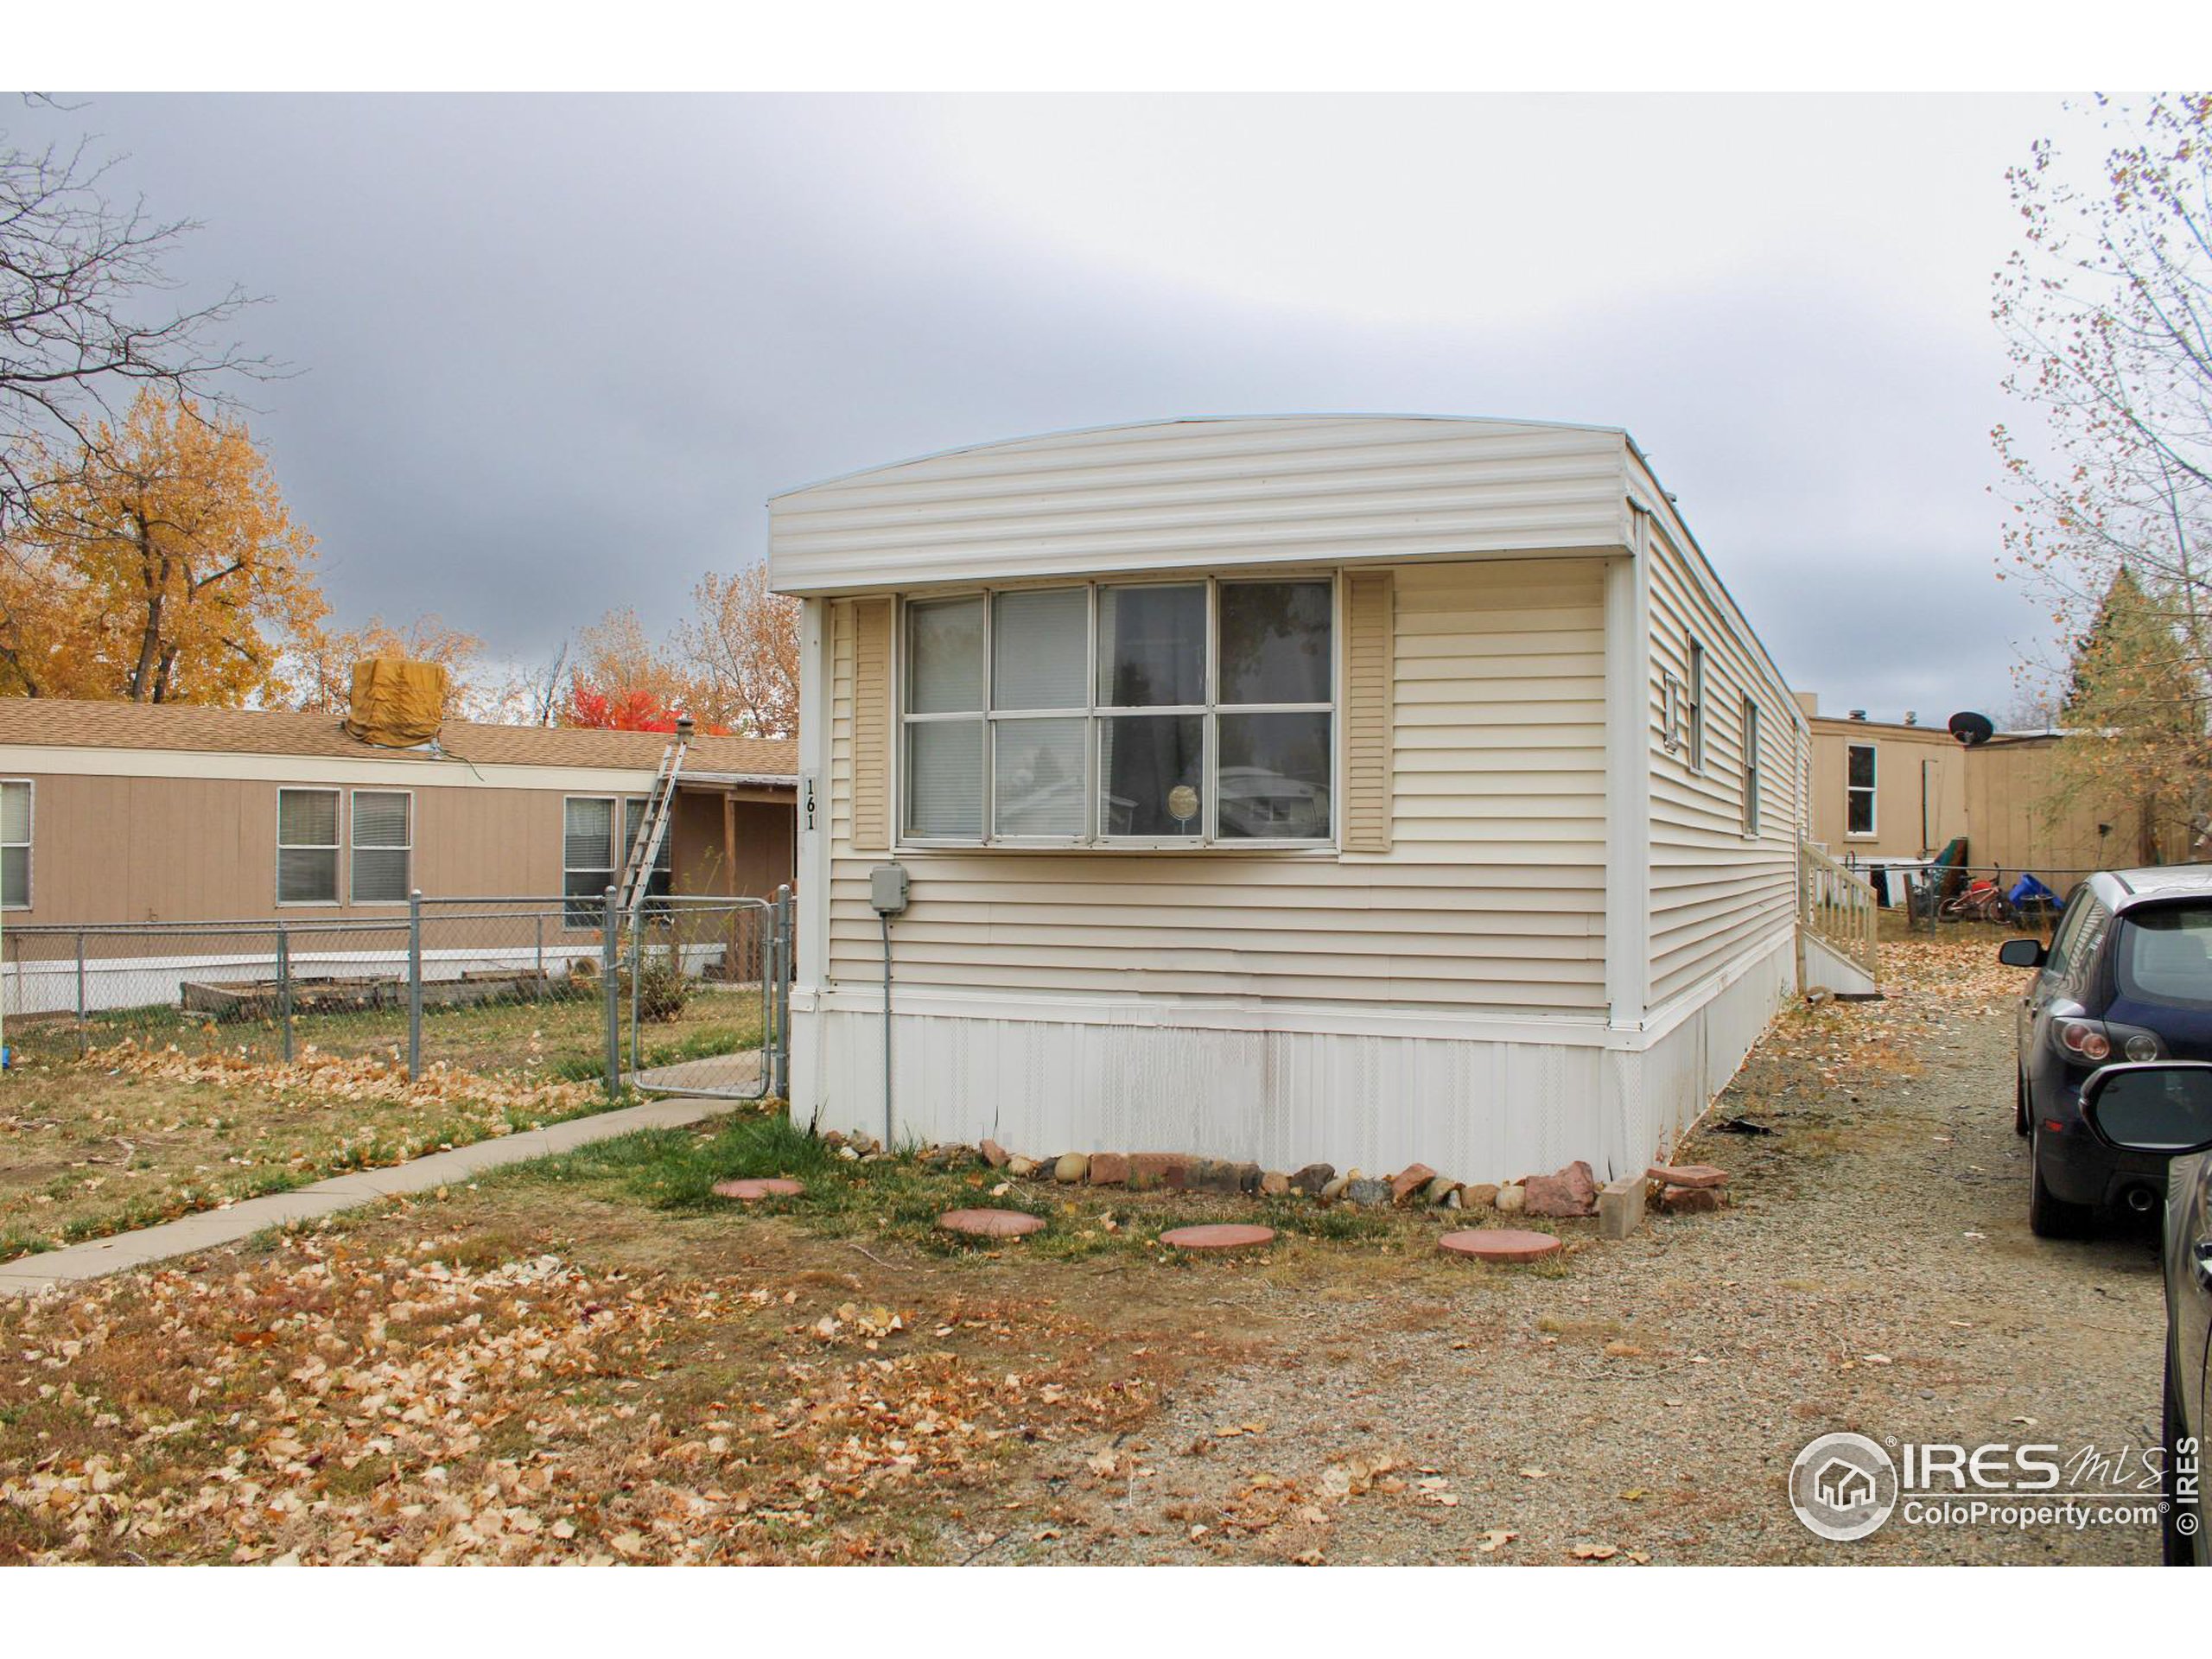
x=555 y=352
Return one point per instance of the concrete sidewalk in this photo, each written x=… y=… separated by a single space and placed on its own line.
x=213 y=1227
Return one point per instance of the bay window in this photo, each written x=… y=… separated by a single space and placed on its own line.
x=1172 y=712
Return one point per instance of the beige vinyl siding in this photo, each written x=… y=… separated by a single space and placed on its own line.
x=1715 y=892
x=1490 y=897
x=1206 y=495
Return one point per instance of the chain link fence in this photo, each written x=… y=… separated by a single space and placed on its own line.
x=691 y=997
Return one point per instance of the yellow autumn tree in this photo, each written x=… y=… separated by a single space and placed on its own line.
x=160 y=567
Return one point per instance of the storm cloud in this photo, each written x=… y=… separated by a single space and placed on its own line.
x=553 y=354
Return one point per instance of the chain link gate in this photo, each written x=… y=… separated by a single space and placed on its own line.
x=699 y=996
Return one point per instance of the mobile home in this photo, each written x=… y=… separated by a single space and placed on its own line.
x=1362 y=789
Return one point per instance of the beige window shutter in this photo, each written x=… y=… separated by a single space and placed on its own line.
x=1368 y=632
x=872 y=725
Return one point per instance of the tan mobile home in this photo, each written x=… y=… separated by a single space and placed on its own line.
x=118 y=813
x=1884 y=789
x=1359 y=788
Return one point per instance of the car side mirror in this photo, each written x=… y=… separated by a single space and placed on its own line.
x=2163 y=1107
x=2023 y=953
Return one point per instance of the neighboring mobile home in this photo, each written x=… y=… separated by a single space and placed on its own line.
x=1884 y=790
x=1366 y=789
x=119 y=812
x=1893 y=794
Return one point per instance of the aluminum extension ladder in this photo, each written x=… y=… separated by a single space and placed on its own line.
x=652 y=828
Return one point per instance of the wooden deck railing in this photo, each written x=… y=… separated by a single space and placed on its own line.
x=1835 y=907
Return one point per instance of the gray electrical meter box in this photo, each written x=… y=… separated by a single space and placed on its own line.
x=887 y=889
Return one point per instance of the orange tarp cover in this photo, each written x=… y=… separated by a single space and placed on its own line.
x=397 y=703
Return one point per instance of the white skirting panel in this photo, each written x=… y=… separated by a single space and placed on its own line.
x=1693 y=1060
x=1477 y=1107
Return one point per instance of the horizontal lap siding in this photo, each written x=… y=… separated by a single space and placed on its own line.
x=1204 y=494
x=1491 y=897
x=1715 y=894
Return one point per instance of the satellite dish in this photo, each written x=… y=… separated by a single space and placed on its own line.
x=1971 y=728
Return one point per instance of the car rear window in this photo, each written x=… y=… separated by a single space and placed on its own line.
x=2166 y=953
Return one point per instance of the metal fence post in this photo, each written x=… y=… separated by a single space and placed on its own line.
x=636 y=984
x=609 y=958
x=284 y=988
x=414 y=983
x=787 y=970
x=80 y=996
x=537 y=985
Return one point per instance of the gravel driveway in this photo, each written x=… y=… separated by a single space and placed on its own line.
x=1874 y=1273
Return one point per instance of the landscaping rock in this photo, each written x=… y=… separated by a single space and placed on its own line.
x=1311 y=1180
x=1410 y=1180
x=1481 y=1193
x=1688 y=1200
x=1441 y=1188
x=1072 y=1167
x=1451 y=1199
x=1687 y=1174
x=995 y=1155
x=1109 y=1169
x=1571 y=1192
x=1333 y=1189
x=1367 y=1190
x=1274 y=1184
x=1509 y=1200
x=1168 y=1169
x=1023 y=1167
x=834 y=1139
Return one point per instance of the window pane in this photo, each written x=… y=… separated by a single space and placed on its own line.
x=1275 y=777
x=379 y=875
x=1152 y=646
x=1038 y=644
x=379 y=818
x=587 y=833
x=307 y=818
x=1152 y=773
x=307 y=876
x=945 y=656
x=15 y=876
x=1274 y=642
x=1860 y=819
x=1037 y=777
x=587 y=888
x=14 y=814
x=1861 y=760
x=944 y=779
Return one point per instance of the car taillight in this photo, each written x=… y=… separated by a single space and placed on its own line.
x=2086 y=1040
x=2142 y=1047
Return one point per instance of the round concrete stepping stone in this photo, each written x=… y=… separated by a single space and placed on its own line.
x=1499 y=1244
x=752 y=1191
x=990 y=1223
x=1221 y=1236
x=1687 y=1174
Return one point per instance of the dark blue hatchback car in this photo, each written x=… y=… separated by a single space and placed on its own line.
x=2128 y=977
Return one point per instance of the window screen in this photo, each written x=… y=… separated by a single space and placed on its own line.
x=383 y=846
x=16 y=801
x=306 y=846
x=586 y=858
